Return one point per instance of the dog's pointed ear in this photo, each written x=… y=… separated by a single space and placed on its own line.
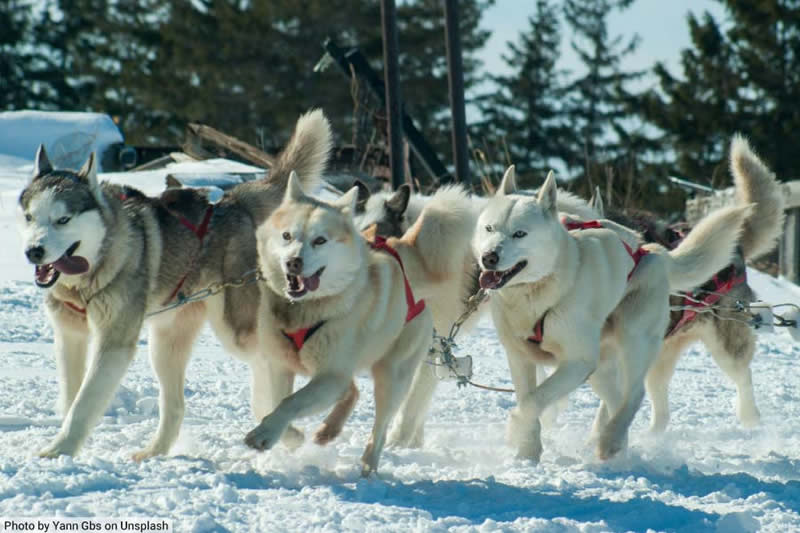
x=398 y=202
x=347 y=202
x=88 y=172
x=548 y=195
x=509 y=183
x=173 y=182
x=41 y=165
x=596 y=202
x=294 y=191
x=363 y=195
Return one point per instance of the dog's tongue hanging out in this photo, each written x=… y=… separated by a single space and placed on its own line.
x=71 y=265
x=490 y=279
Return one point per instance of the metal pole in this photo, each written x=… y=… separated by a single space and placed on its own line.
x=455 y=78
x=393 y=112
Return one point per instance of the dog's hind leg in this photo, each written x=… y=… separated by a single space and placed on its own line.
x=606 y=384
x=111 y=358
x=170 y=351
x=334 y=422
x=409 y=427
x=658 y=378
x=733 y=349
x=392 y=378
x=641 y=350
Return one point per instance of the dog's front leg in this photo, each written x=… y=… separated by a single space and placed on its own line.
x=320 y=393
x=524 y=428
x=71 y=342
x=271 y=382
x=170 y=351
x=110 y=359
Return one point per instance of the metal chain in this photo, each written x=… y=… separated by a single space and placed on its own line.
x=251 y=276
x=446 y=345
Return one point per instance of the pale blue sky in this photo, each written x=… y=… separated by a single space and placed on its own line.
x=661 y=25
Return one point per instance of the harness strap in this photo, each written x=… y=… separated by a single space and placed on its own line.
x=74 y=307
x=720 y=288
x=200 y=232
x=636 y=255
x=414 y=307
x=300 y=336
x=538 y=330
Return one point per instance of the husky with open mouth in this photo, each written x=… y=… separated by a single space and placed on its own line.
x=587 y=298
x=334 y=303
x=108 y=256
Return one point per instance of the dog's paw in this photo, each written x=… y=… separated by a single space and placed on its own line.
x=57 y=448
x=147 y=453
x=265 y=435
x=293 y=438
x=749 y=417
x=326 y=433
x=609 y=445
x=530 y=450
x=369 y=461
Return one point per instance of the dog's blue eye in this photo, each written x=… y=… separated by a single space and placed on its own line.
x=519 y=234
x=319 y=241
x=287 y=236
x=489 y=228
x=62 y=220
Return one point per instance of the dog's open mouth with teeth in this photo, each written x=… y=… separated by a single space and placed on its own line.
x=495 y=279
x=299 y=285
x=46 y=275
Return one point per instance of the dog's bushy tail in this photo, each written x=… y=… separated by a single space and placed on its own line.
x=306 y=153
x=708 y=248
x=756 y=184
x=442 y=233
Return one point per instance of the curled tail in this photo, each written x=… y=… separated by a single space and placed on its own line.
x=756 y=184
x=708 y=248
x=306 y=152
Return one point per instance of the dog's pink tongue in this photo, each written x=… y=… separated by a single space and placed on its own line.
x=490 y=279
x=71 y=265
x=312 y=283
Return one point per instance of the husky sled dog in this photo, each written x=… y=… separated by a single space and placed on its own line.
x=725 y=333
x=333 y=304
x=109 y=255
x=586 y=301
x=391 y=214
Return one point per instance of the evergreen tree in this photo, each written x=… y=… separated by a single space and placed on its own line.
x=523 y=114
x=598 y=103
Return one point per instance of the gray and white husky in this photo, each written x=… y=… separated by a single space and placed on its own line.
x=109 y=255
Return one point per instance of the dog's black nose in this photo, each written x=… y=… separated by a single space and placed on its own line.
x=35 y=254
x=295 y=266
x=490 y=260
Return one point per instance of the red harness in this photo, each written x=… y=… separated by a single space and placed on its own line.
x=721 y=284
x=200 y=232
x=81 y=310
x=415 y=307
x=636 y=255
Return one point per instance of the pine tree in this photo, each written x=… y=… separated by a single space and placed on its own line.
x=744 y=78
x=598 y=103
x=523 y=114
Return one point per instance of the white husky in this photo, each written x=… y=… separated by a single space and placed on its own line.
x=578 y=300
x=333 y=304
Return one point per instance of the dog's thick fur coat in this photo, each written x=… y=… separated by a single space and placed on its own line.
x=136 y=250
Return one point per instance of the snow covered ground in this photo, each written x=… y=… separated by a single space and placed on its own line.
x=705 y=474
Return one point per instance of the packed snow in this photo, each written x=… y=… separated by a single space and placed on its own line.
x=707 y=473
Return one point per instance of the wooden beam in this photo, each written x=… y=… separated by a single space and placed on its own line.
x=248 y=152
